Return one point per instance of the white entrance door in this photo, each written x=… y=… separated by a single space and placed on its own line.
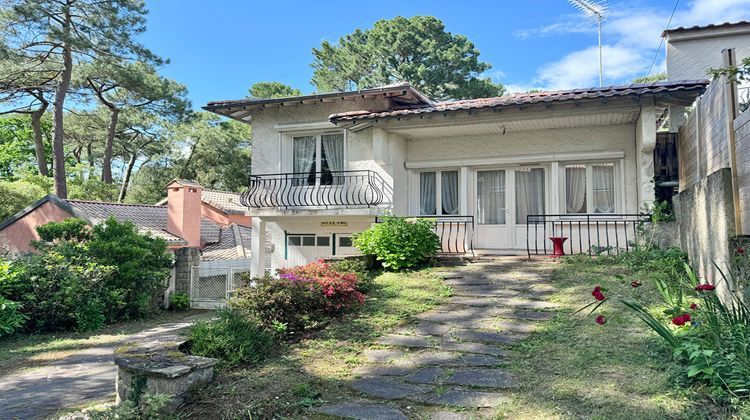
x=504 y=197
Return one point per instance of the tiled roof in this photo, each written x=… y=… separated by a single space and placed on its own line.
x=148 y=219
x=534 y=98
x=226 y=248
x=711 y=26
x=225 y=201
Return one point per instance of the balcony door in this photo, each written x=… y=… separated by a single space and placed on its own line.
x=318 y=160
x=504 y=197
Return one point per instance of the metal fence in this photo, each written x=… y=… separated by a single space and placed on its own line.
x=212 y=282
x=456 y=233
x=592 y=234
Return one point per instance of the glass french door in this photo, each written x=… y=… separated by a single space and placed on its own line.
x=504 y=199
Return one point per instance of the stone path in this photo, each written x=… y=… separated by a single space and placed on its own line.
x=84 y=377
x=452 y=357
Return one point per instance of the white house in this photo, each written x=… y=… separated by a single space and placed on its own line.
x=325 y=166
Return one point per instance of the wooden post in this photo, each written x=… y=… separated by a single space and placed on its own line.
x=730 y=100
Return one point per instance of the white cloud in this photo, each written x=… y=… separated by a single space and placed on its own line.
x=631 y=37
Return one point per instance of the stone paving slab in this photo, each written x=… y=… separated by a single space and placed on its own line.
x=406 y=341
x=362 y=411
x=488 y=378
x=382 y=355
x=425 y=328
x=469 y=399
x=448 y=359
x=467 y=347
x=381 y=370
x=449 y=415
x=427 y=375
x=486 y=336
x=502 y=302
x=388 y=389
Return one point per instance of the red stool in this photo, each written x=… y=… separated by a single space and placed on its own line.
x=557 y=246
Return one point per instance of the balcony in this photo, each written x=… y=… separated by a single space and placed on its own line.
x=317 y=190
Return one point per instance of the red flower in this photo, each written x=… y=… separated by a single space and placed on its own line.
x=678 y=320
x=705 y=287
x=740 y=251
x=686 y=318
x=635 y=283
x=597 y=288
x=693 y=306
x=598 y=295
x=601 y=320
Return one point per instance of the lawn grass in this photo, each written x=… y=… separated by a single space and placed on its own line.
x=575 y=368
x=26 y=351
x=315 y=369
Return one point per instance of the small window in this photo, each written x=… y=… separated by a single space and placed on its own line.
x=295 y=240
x=308 y=241
x=590 y=188
x=324 y=241
x=345 y=241
x=446 y=201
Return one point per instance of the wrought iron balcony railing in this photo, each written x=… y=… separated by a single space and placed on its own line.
x=596 y=233
x=359 y=188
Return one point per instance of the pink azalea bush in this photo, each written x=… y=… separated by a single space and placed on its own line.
x=299 y=298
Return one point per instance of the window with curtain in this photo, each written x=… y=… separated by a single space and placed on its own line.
x=491 y=197
x=575 y=188
x=313 y=155
x=304 y=161
x=590 y=188
x=427 y=193
x=529 y=193
x=603 y=179
x=438 y=193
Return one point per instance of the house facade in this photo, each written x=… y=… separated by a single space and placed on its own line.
x=325 y=166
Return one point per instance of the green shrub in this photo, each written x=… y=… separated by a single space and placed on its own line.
x=15 y=196
x=82 y=278
x=400 y=243
x=281 y=306
x=179 y=301
x=11 y=319
x=358 y=266
x=234 y=338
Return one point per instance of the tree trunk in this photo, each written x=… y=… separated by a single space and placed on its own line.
x=58 y=107
x=36 y=127
x=189 y=160
x=111 y=132
x=126 y=177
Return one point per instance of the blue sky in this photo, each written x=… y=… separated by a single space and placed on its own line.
x=219 y=48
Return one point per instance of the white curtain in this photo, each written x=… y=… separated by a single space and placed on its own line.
x=575 y=189
x=604 y=187
x=427 y=193
x=303 y=160
x=449 y=191
x=333 y=152
x=491 y=197
x=529 y=193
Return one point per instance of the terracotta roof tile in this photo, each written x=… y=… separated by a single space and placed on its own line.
x=225 y=201
x=534 y=98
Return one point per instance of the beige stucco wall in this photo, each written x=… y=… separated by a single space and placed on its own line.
x=692 y=58
x=537 y=142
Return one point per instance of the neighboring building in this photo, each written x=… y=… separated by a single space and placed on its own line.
x=190 y=217
x=325 y=166
x=713 y=142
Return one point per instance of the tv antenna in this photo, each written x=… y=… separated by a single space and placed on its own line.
x=596 y=11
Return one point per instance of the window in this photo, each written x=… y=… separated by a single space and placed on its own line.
x=590 y=188
x=438 y=191
x=308 y=240
x=345 y=241
x=318 y=160
x=529 y=193
x=491 y=197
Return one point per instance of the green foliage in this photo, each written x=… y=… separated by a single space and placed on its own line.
x=417 y=50
x=11 y=318
x=150 y=407
x=81 y=278
x=658 y=77
x=268 y=90
x=179 y=301
x=68 y=230
x=15 y=196
x=233 y=338
x=17 y=153
x=358 y=266
x=400 y=242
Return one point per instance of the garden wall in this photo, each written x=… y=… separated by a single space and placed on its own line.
x=705 y=213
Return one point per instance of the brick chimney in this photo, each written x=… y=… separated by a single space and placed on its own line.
x=184 y=211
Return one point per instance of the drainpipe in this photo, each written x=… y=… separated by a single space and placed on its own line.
x=728 y=59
